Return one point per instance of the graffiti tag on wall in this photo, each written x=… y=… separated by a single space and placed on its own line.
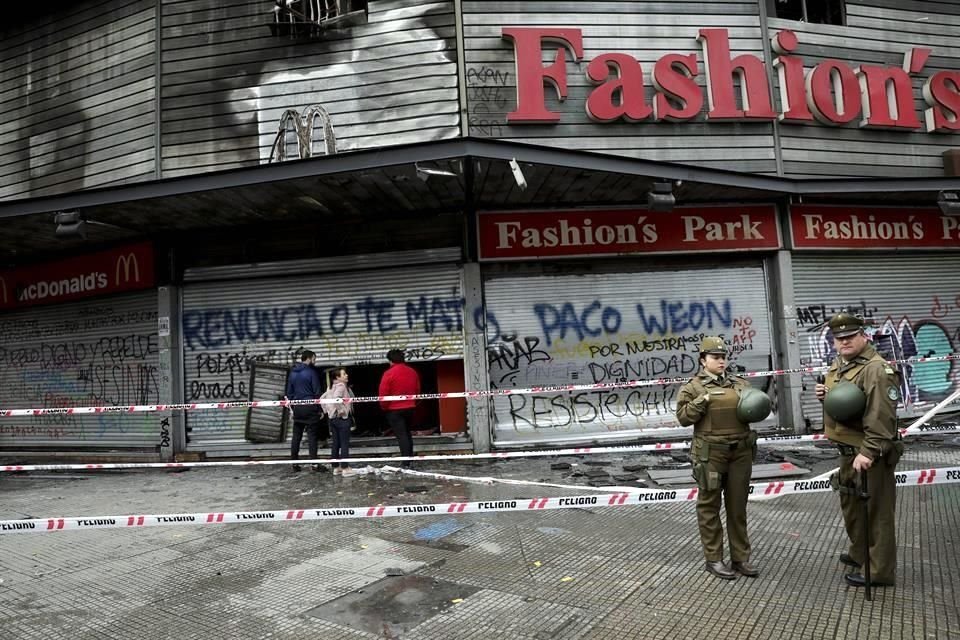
x=95 y=356
x=631 y=335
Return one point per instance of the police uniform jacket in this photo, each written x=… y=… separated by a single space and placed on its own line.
x=718 y=417
x=873 y=433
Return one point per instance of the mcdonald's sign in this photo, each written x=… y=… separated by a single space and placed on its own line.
x=127 y=268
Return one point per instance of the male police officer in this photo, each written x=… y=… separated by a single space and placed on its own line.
x=860 y=397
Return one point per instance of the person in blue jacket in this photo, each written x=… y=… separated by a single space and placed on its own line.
x=304 y=383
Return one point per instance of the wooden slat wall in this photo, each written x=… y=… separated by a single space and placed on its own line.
x=227 y=80
x=877 y=32
x=77 y=87
x=77 y=99
x=645 y=30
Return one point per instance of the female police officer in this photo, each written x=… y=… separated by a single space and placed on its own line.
x=722 y=453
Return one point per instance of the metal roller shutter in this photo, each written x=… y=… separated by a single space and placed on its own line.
x=613 y=324
x=912 y=303
x=96 y=352
x=346 y=317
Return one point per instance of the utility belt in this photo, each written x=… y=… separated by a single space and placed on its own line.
x=733 y=446
x=708 y=479
x=722 y=433
x=892 y=453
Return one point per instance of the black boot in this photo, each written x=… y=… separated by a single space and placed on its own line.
x=720 y=570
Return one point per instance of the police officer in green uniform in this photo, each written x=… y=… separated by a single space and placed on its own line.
x=722 y=451
x=860 y=395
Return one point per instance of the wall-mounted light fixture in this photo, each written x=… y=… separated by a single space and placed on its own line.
x=70 y=224
x=949 y=203
x=518 y=174
x=660 y=197
x=424 y=173
x=73 y=224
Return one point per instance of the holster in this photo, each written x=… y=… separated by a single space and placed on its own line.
x=837 y=486
x=893 y=451
x=707 y=479
x=751 y=441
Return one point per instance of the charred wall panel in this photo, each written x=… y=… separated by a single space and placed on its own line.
x=77 y=97
x=227 y=80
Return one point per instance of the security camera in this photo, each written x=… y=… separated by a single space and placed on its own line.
x=518 y=174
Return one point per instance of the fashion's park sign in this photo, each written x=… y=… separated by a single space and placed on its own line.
x=886 y=228
x=831 y=92
x=520 y=235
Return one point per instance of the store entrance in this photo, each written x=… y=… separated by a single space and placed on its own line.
x=369 y=417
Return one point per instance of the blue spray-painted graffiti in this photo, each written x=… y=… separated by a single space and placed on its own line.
x=596 y=341
x=215 y=328
x=677 y=316
x=595 y=319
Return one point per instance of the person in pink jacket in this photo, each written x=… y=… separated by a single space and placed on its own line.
x=340 y=421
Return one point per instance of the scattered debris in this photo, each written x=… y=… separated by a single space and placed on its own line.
x=760 y=472
x=416 y=488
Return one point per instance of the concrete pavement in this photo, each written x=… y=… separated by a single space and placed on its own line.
x=633 y=572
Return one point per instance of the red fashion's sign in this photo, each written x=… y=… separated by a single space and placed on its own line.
x=124 y=269
x=519 y=235
x=833 y=227
x=831 y=92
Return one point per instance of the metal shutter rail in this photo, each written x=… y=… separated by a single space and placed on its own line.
x=228 y=322
x=523 y=308
x=96 y=352
x=911 y=300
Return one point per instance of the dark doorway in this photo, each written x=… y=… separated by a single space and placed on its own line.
x=369 y=417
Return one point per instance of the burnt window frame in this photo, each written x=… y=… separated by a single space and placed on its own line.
x=772 y=13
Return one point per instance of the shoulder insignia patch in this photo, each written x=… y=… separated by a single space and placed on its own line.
x=893 y=393
x=888 y=370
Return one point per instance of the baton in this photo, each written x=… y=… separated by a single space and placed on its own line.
x=864 y=497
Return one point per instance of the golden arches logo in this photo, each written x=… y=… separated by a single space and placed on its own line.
x=128 y=264
x=303 y=127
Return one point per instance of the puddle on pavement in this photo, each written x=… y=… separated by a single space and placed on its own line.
x=394 y=605
x=441 y=529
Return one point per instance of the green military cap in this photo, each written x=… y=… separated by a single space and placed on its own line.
x=845 y=324
x=713 y=344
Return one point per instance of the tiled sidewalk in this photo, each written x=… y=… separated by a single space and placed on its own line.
x=607 y=574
